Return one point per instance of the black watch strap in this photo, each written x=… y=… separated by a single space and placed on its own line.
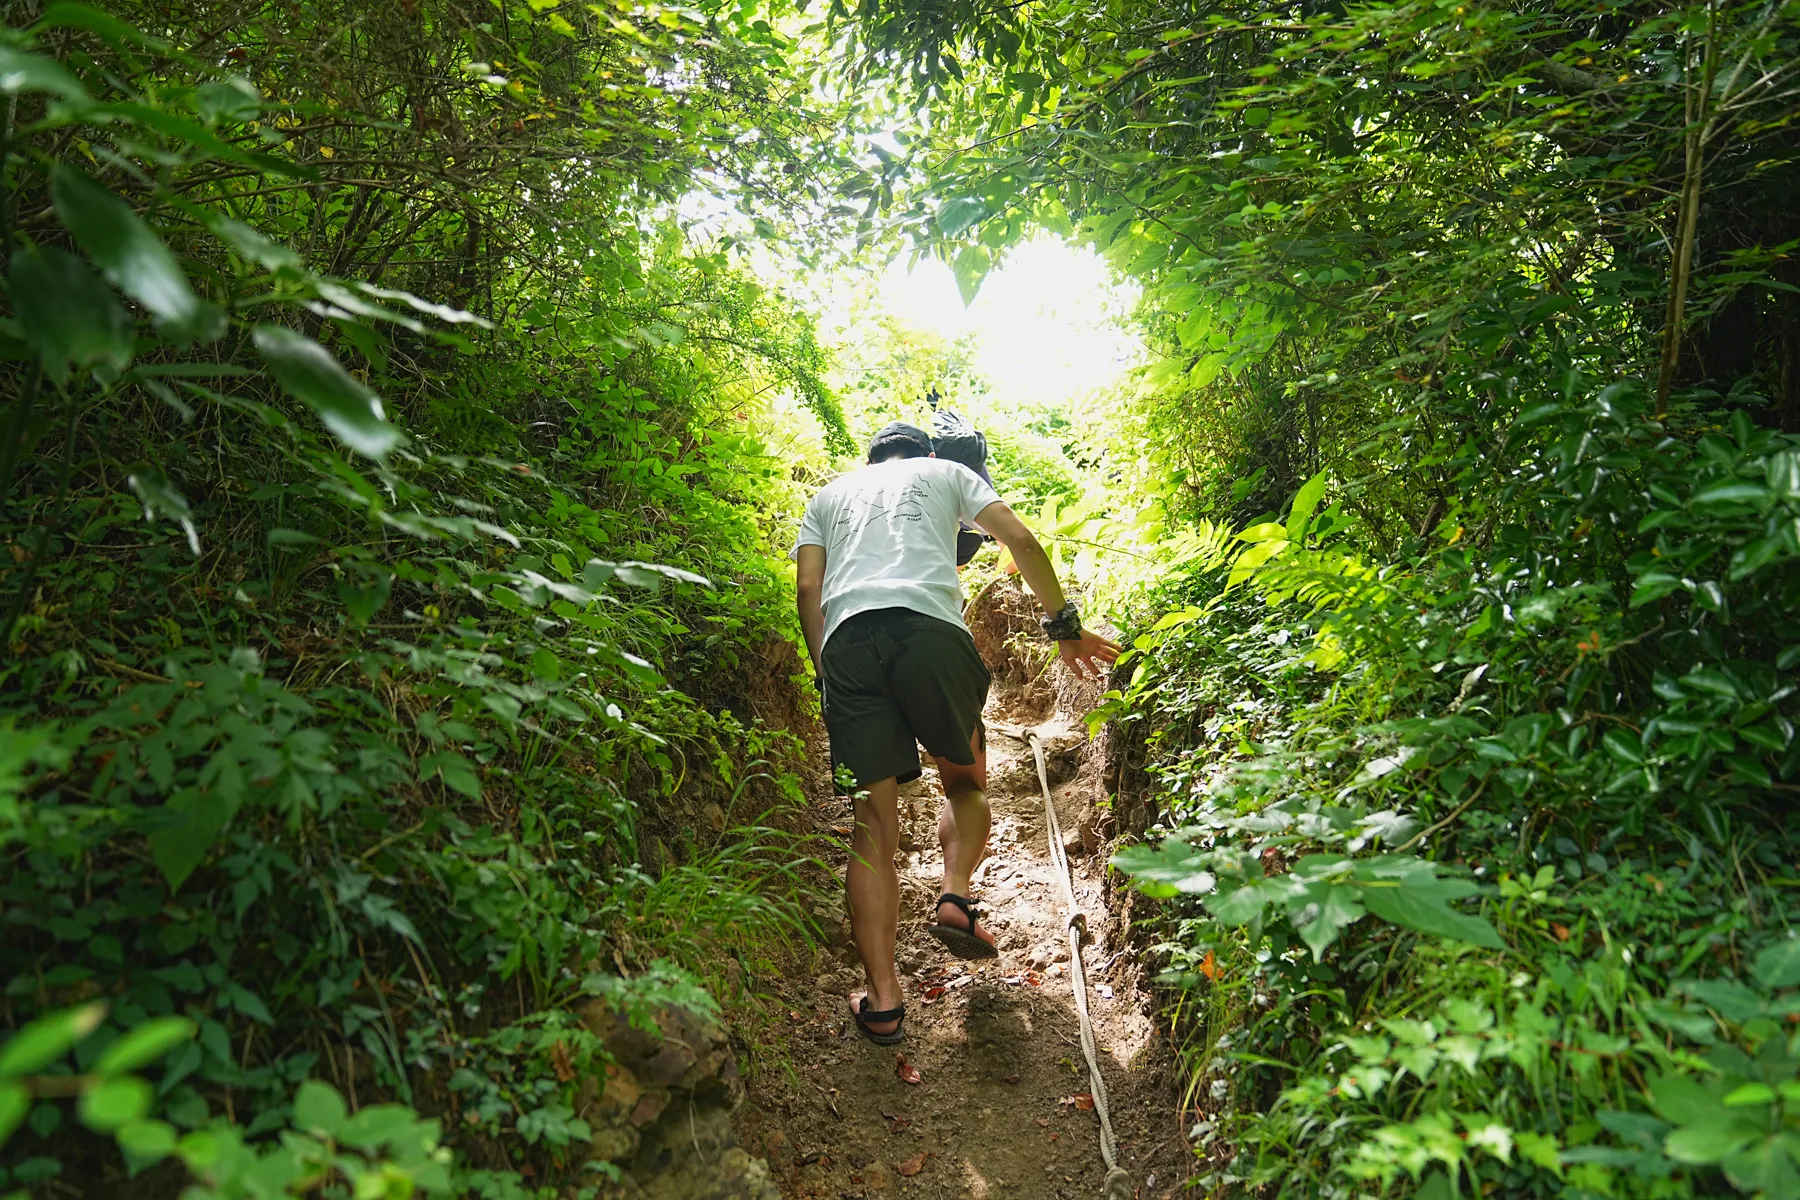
x=1064 y=625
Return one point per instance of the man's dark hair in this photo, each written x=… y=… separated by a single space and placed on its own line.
x=899 y=440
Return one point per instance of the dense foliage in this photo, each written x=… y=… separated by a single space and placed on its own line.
x=1478 y=781
x=389 y=596
x=390 y=591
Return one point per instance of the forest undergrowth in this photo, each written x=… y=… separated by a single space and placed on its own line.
x=1454 y=523
x=397 y=660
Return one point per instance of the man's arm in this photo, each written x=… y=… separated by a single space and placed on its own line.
x=1090 y=650
x=809 y=589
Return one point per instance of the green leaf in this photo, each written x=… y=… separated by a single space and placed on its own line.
x=1778 y=966
x=161 y=498
x=250 y=244
x=1305 y=501
x=1170 y=862
x=376 y=1124
x=67 y=14
x=458 y=773
x=72 y=317
x=115 y=1102
x=15 y=1102
x=148 y=1141
x=1766 y=1166
x=48 y=1038
x=958 y=213
x=971 y=268
x=1749 y=1094
x=1683 y=1100
x=1733 y=492
x=192 y=821
x=130 y=254
x=22 y=72
x=1321 y=911
x=144 y=1044
x=1408 y=892
x=311 y=375
x=1624 y=746
x=233 y=98
x=318 y=1107
x=1710 y=1141
x=1653 y=586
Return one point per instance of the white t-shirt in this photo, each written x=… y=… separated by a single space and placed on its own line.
x=889 y=532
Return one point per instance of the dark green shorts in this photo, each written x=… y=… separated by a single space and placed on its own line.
x=893 y=677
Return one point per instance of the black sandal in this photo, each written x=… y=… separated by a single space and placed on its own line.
x=864 y=1017
x=961 y=942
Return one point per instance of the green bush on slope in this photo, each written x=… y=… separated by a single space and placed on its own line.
x=353 y=730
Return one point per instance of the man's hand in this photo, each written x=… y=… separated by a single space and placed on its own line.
x=1089 y=653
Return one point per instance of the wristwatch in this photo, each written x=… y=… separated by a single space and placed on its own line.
x=1064 y=625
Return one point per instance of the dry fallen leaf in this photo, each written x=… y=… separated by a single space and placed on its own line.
x=910 y=1074
x=932 y=995
x=1044 y=1122
x=1082 y=1100
x=1561 y=931
x=913 y=1166
x=899 y=1122
x=559 y=1059
x=1209 y=967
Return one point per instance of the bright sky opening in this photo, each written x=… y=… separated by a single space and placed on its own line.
x=1049 y=325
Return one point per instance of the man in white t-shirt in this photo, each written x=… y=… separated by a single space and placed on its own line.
x=882 y=612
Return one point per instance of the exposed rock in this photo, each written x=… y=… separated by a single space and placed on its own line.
x=662 y=1110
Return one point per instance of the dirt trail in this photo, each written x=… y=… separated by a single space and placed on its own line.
x=1000 y=1109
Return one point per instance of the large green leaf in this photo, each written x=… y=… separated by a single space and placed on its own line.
x=47 y=1039
x=115 y=1102
x=971 y=267
x=1778 y=966
x=1170 y=866
x=161 y=498
x=189 y=825
x=1305 y=501
x=956 y=214
x=1710 y=1141
x=22 y=72
x=1766 y=1166
x=1321 y=910
x=318 y=1106
x=311 y=375
x=1409 y=892
x=68 y=315
x=15 y=1102
x=131 y=255
x=144 y=1044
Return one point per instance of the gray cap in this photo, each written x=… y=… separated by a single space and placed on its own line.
x=900 y=432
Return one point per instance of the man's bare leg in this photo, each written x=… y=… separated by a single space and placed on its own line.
x=963 y=825
x=873 y=885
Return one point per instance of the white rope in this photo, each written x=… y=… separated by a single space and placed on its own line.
x=1118 y=1183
